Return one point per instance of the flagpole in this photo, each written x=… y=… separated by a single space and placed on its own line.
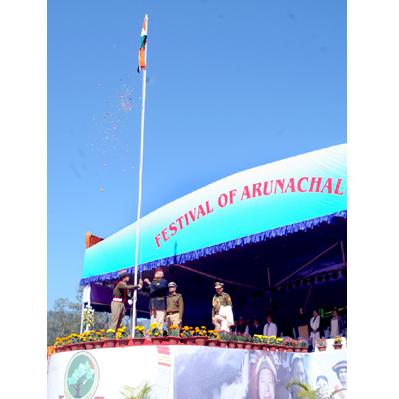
x=134 y=307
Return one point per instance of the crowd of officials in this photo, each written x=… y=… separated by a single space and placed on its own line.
x=166 y=305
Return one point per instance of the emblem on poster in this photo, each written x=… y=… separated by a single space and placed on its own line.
x=81 y=376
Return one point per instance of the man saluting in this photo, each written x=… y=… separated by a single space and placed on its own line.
x=222 y=309
x=120 y=295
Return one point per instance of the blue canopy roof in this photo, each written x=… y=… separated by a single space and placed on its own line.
x=271 y=200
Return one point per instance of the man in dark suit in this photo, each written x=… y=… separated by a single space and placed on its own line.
x=158 y=289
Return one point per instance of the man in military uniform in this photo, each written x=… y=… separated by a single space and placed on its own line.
x=120 y=295
x=175 y=306
x=222 y=309
x=158 y=290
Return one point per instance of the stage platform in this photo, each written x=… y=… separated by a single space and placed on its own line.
x=191 y=372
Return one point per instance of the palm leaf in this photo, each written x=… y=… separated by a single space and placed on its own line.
x=141 y=392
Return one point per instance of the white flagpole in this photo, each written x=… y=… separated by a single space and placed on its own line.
x=134 y=307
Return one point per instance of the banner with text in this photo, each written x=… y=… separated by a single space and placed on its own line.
x=257 y=200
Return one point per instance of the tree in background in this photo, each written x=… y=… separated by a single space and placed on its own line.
x=64 y=318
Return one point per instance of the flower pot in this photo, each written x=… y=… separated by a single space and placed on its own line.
x=75 y=347
x=122 y=342
x=135 y=341
x=337 y=346
x=67 y=348
x=173 y=340
x=304 y=350
x=223 y=344
x=156 y=340
x=321 y=348
x=189 y=341
x=280 y=348
x=240 y=345
x=200 y=341
x=212 y=342
x=258 y=346
x=297 y=350
x=59 y=349
x=232 y=344
x=289 y=349
x=98 y=344
x=89 y=345
x=272 y=348
x=248 y=346
x=109 y=343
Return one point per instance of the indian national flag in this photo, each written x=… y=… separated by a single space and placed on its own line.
x=143 y=45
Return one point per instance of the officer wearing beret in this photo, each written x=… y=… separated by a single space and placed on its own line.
x=158 y=289
x=120 y=294
x=174 y=307
x=222 y=309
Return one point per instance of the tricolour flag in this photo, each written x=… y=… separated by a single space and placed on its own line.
x=143 y=45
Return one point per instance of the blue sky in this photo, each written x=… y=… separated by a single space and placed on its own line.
x=231 y=85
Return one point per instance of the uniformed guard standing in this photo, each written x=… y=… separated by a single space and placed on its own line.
x=120 y=295
x=222 y=309
x=175 y=306
x=158 y=290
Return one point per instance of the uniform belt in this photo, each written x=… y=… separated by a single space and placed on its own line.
x=117 y=299
x=172 y=312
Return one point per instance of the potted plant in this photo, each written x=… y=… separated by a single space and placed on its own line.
x=337 y=342
x=303 y=345
x=109 y=341
x=321 y=344
x=155 y=334
x=232 y=340
x=187 y=335
x=289 y=344
x=88 y=318
x=74 y=340
x=240 y=340
x=213 y=338
x=89 y=339
x=248 y=342
x=122 y=336
x=272 y=343
x=173 y=335
x=139 y=336
x=280 y=344
x=200 y=335
x=99 y=337
x=259 y=342
x=59 y=345
x=224 y=339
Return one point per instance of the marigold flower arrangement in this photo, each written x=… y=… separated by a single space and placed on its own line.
x=271 y=340
x=110 y=333
x=173 y=331
x=338 y=340
x=187 y=332
x=121 y=333
x=139 y=332
x=200 y=331
x=259 y=339
x=213 y=334
x=155 y=330
x=279 y=341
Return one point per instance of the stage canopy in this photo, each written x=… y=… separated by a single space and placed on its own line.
x=278 y=199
